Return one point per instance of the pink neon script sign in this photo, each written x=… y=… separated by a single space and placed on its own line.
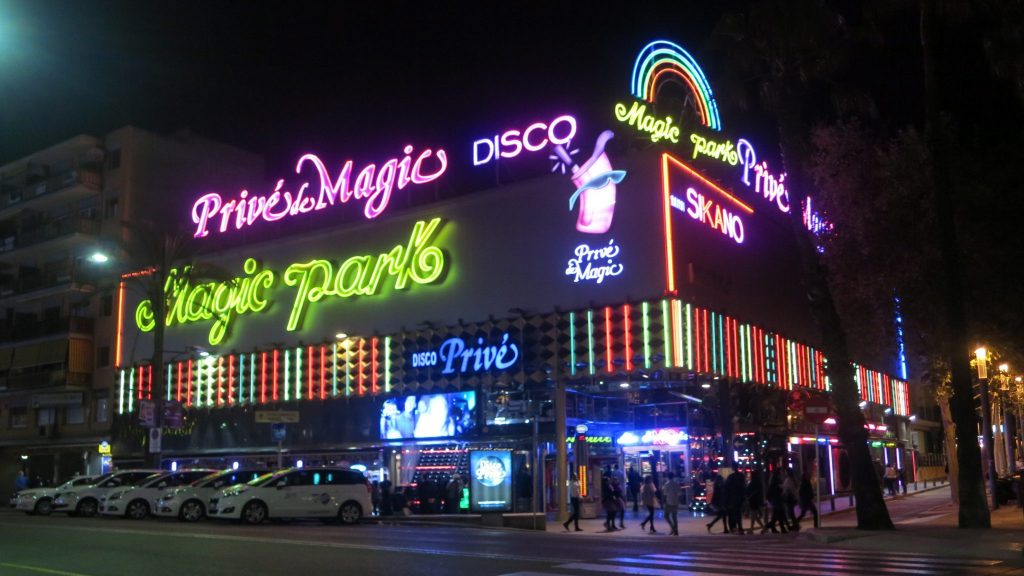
x=372 y=185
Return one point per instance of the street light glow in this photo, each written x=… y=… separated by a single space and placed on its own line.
x=981 y=355
x=1004 y=367
x=99 y=258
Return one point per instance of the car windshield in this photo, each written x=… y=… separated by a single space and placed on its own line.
x=152 y=479
x=209 y=478
x=264 y=478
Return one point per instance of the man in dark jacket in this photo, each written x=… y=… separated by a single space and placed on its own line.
x=735 y=491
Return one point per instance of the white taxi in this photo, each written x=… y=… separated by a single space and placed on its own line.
x=40 y=500
x=334 y=493
x=135 y=502
x=188 y=503
x=85 y=500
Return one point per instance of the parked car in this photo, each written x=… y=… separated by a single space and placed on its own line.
x=188 y=503
x=335 y=493
x=135 y=502
x=85 y=500
x=40 y=500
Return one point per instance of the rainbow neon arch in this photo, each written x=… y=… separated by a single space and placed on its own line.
x=661 y=60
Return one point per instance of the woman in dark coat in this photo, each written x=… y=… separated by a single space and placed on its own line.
x=755 y=499
x=777 y=501
x=718 y=505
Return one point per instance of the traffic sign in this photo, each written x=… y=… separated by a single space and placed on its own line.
x=278 y=432
x=817 y=410
x=277 y=416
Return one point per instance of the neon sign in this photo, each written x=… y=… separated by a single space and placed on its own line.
x=724 y=151
x=594 y=264
x=664 y=61
x=637 y=117
x=455 y=355
x=595 y=186
x=511 y=143
x=772 y=188
x=699 y=208
x=418 y=262
x=371 y=185
x=656 y=437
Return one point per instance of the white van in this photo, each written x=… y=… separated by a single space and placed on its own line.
x=336 y=493
x=188 y=503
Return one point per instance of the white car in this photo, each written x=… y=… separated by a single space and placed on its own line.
x=188 y=503
x=40 y=500
x=135 y=502
x=85 y=500
x=335 y=493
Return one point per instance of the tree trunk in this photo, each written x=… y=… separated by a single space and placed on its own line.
x=949 y=436
x=974 y=511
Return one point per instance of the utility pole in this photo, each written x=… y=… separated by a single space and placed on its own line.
x=561 y=458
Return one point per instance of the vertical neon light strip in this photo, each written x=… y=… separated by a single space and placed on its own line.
x=273 y=376
x=177 y=395
x=220 y=380
x=689 y=338
x=387 y=364
x=666 y=324
x=831 y=472
x=169 y=380
x=298 y=374
x=252 y=378
x=119 y=331
x=199 y=383
x=120 y=394
x=309 y=373
x=729 y=343
x=241 y=378
x=743 y=353
x=263 y=377
x=231 y=380
x=336 y=347
x=572 y=343
x=348 y=368
x=677 y=333
x=721 y=343
x=696 y=328
x=608 y=338
x=629 y=340
x=149 y=387
x=707 y=333
x=645 y=312
x=286 y=385
x=188 y=384
x=590 y=340
x=131 y=388
x=714 y=344
x=373 y=366
x=210 y=397
x=667 y=215
x=323 y=372
x=359 y=368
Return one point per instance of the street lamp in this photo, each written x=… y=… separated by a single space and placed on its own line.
x=981 y=362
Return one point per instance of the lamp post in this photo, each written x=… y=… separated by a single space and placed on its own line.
x=981 y=357
x=1008 y=424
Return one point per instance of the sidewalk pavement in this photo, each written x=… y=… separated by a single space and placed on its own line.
x=693 y=524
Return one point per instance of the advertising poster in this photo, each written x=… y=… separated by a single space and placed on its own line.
x=490 y=485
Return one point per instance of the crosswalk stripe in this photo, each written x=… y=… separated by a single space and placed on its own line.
x=638 y=571
x=733 y=564
x=850 y=560
x=787 y=563
x=903 y=557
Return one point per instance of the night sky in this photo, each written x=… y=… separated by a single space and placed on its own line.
x=351 y=79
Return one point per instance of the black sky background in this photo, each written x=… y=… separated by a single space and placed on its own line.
x=338 y=78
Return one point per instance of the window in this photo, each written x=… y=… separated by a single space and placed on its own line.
x=74 y=415
x=344 y=477
x=103 y=357
x=114 y=158
x=19 y=417
x=110 y=209
x=102 y=409
x=107 y=305
x=46 y=416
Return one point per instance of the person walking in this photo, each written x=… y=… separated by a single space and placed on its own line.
x=574 y=501
x=633 y=483
x=608 y=502
x=670 y=491
x=648 y=494
x=790 y=494
x=777 y=501
x=620 y=502
x=21 y=481
x=755 y=499
x=807 y=500
x=892 y=478
x=718 y=505
x=735 y=492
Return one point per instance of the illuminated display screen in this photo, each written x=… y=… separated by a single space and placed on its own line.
x=428 y=416
x=490 y=484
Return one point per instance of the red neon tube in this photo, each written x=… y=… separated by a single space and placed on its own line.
x=373 y=366
x=231 y=379
x=309 y=372
x=177 y=395
x=707 y=343
x=362 y=359
x=220 y=380
x=629 y=343
x=263 y=377
x=188 y=387
x=273 y=376
x=608 y=337
x=323 y=380
x=666 y=207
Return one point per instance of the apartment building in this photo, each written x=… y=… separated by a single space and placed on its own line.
x=58 y=311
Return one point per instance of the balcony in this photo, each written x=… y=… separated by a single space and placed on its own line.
x=27 y=330
x=48 y=282
x=39 y=192
x=45 y=379
x=66 y=229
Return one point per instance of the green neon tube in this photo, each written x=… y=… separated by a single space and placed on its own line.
x=590 y=339
x=572 y=343
x=666 y=323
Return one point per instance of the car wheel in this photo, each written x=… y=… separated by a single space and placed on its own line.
x=254 y=513
x=137 y=509
x=44 y=507
x=191 y=511
x=86 y=508
x=350 y=512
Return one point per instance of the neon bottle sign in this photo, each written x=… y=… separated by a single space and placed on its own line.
x=511 y=143
x=211 y=212
x=418 y=261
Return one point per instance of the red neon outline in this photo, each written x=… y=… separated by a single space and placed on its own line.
x=273 y=390
x=120 y=325
x=667 y=215
x=709 y=183
x=188 y=387
x=323 y=381
x=231 y=379
x=373 y=366
x=608 y=337
x=263 y=377
x=629 y=342
x=681 y=72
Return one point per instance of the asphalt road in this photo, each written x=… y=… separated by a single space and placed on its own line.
x=63 y=546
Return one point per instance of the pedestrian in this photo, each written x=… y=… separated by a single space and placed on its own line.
x=574 y=501
x=776 y=500
x=891 y=478
x=21 y=481
x=608 y=501
x=670 y=491
x=620 y=501
x=735 y=492
x=386 y=498
x=375 y=497
x=718 y=505
x=755 y=499
x=648 y=494
x=791 y=496
x=902 y=473
x=633 y=482
x=453 y=495
x=807 y=499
